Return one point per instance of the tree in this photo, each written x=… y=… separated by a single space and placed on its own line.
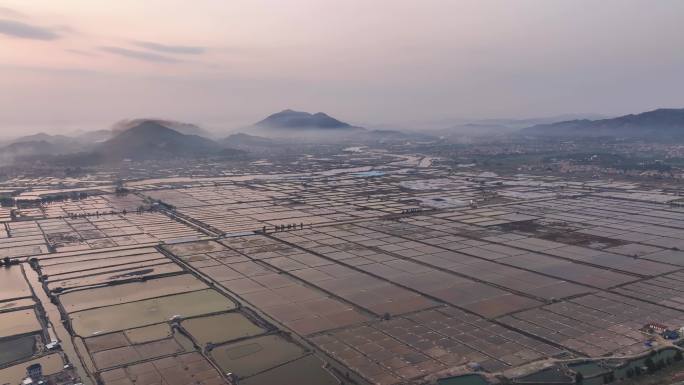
x=630 y=373
x=650 y=365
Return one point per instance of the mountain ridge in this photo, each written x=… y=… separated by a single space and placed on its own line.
x=181 y=127
x=291 y=119
x=659 y=123
x=151 y=140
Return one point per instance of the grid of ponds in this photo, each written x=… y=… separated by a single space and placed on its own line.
x=383 y=277
x=138 y=317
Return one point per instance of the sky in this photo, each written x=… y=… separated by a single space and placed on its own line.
x=85 y=64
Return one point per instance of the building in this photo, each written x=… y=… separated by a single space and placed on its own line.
x=34 y=375
x=655 y=327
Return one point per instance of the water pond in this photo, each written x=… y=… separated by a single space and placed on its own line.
x=221 y=328
x=249 y=357
x=151 y=311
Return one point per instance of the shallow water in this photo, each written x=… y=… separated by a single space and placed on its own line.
x=133 y=353
x=24 y=302
x=13 y=284
x=19 y=322
x=185 y=249
x=129 y=292
x=16 y=349
x=184 y=369
x=249 y=357
x=86 y=255
x=148 y=333
x=98 y=263
x=115 y=276
x=147 y=312
x=305 y=371
x=109 y=269
x=221 y=328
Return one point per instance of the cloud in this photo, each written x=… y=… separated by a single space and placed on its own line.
x=173 y=49
x=139 y=55
x=9 y=12
x=21 y=30
x=81 y=52
x=66 y=29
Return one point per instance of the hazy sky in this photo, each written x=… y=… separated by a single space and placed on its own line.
x=68 y=64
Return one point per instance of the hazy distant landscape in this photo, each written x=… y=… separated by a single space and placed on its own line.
x=326 y=192
x=647 y=141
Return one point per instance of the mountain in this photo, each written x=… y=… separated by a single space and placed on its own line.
x=456 y=128
x=181 y=127
x=40 y=146
x=146 y=140
x=660 y=124
x=290 y=119
x=151 y=140
x=17 y=150
x=41 y=143
x=43 y=137
x=66 y=143
x=32 y=147
x=293 y=128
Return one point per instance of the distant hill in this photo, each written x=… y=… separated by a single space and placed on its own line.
x=66 y=143
x=146 y=140
x=32 y=146
x=290 y=119
x=660 y=124
x=43 y=137
x=38 y=144
x=458 y=128
x=295 y=127
x=151 y=140
x=183 y=128
x=29 y=148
